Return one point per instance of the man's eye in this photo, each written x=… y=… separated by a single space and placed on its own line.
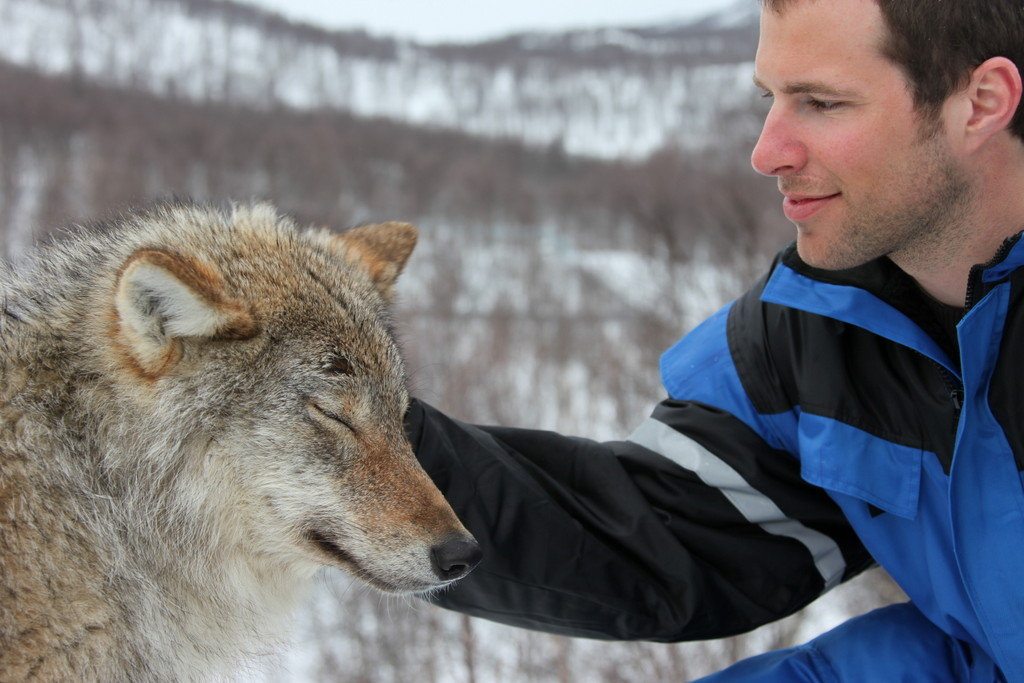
x=824 y=105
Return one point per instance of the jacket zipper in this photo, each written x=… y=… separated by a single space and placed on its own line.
x=975 y=288
x=974 y=278
x=953 y=386
x=975 y=284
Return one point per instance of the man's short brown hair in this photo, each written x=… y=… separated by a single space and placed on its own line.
x=938 y=43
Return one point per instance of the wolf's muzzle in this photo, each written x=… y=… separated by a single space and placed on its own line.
x=455 y=557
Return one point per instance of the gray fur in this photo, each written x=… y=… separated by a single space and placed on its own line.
x=160 y=519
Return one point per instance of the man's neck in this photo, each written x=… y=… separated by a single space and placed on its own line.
x=947 y=282
x=996 y=214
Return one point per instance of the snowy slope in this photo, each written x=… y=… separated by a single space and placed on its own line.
x=613 y=92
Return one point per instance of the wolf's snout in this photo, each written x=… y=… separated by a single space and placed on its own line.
x=455 y=557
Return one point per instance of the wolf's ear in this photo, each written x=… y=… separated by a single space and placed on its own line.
x=381 y=250
x=163 y=297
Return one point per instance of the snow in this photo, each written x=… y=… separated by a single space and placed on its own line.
x=739 y=13
x=622 y=38
x=23 y=214
x=626 y=110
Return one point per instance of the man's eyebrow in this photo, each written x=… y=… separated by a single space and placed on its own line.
x=806 y=87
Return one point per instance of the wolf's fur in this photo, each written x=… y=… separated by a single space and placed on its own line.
x=198 y=409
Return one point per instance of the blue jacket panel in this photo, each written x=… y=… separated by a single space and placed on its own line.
x=920 y=449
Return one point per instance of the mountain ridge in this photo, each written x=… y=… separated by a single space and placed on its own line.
x=615 y=92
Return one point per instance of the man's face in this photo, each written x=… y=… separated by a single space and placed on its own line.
x=862 y=173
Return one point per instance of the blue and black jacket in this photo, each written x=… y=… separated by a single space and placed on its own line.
x=813 y=428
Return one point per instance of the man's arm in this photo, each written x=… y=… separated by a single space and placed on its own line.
x=693 y=529
x=697 y=526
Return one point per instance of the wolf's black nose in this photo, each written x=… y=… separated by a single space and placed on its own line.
x=455 y=557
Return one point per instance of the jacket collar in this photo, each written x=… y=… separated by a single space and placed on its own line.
x=1008 y=258
x=868 y=303
x=878 y=296
x=885 y=279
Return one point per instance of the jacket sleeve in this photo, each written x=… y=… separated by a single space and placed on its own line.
x=696 y=526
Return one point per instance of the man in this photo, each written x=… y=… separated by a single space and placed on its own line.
x=860 y=404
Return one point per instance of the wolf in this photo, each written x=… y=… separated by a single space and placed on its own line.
x=198 y=409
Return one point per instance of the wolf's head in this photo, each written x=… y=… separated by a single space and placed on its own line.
x=268 y=351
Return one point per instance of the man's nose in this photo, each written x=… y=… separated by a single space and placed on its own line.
x=778 y=151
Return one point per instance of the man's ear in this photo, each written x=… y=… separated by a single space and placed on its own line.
x=162 y=298
x=381 y=250
x=992 y=97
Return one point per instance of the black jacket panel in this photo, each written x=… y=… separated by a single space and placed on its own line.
x=613 y=540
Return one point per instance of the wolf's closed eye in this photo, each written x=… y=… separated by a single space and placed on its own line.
x=335 y=417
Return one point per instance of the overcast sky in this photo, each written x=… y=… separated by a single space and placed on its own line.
x=463 y=20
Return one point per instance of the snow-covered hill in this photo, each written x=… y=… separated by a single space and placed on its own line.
x=610 y=93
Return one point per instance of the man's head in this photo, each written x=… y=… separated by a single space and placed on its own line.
x=883 y=113
x=938 y=43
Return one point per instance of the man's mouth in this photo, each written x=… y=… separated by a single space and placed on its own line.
x=801 y=207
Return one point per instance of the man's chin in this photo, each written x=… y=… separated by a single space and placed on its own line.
x=823 y=255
